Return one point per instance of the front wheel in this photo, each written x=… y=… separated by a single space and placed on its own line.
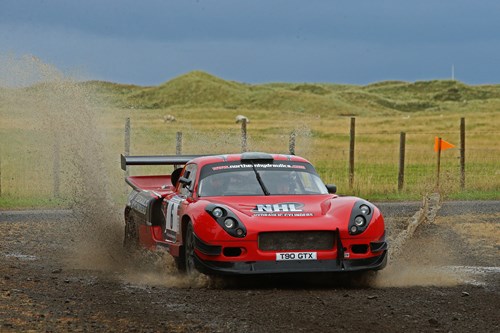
x=189 y=252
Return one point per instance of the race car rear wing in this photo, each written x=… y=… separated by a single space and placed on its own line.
x=156 y=160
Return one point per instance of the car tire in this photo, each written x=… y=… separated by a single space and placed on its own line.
x=180 y=261
x=131 y=237
x=189 y=254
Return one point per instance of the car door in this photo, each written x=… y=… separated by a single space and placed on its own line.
x=171 y=206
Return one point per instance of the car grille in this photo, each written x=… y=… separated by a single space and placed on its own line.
x=296 y=240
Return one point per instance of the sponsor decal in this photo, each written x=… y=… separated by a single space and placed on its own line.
x=140 y=204
x=260 y=166
x=281 y=209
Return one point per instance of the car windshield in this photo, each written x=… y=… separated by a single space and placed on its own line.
x=244 y=182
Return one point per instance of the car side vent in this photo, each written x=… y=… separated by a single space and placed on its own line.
x=359 y=248
x=232 y=251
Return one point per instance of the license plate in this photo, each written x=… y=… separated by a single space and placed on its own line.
x=296 y=256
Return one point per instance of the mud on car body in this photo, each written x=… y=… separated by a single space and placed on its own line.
x=251 y=213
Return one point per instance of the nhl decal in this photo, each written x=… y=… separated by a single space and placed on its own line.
x=280 y=209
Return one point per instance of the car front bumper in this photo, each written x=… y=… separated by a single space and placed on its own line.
x=296 y=266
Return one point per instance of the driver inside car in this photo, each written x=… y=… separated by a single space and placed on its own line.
x=281 y=185
x=213 y=185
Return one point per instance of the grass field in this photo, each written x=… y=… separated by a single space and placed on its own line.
x=77 y=131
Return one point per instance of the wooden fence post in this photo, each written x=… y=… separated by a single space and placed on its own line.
x=351 y=153
x=0 y=173
x=438 y=162
x=178 y=143
x=56 y=169
x=127 y=142
x=178 y=147
x=462 y=153
x=401 y=175
x=244 y=135
x=291 y=143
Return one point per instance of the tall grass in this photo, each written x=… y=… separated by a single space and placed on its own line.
x=27 y=165
x=27 y=148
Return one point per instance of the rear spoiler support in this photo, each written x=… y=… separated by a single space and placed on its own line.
x=156 y=160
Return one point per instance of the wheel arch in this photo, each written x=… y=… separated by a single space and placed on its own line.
x=180 y=260
x=186 y=219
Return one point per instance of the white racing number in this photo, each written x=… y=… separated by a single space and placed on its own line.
x=296 y=256
x=172 y=218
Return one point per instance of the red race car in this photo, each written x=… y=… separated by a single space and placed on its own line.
x=251 y=213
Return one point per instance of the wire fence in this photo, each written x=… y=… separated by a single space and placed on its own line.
x=372 y=167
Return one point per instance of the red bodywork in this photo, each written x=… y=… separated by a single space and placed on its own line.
x=161 y=213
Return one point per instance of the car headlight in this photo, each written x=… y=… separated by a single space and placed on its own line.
x=229 y=223
x=365 y=210
x=360 y=218
x=227 y=220
x=217 y=212
x=359 y=221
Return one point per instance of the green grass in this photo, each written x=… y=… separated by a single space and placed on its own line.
x=18 y=203
x=88 y=120
x=475 y=195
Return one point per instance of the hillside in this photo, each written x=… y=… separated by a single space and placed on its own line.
x=201 y=90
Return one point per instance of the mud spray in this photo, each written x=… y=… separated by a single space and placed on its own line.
x=57 y=108
x=418 y=261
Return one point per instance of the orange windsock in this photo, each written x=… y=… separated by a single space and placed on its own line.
x=444 y=145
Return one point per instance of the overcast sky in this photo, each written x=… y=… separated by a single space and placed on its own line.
x=149 y=42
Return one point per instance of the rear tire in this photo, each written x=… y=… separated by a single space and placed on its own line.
x=131 y=237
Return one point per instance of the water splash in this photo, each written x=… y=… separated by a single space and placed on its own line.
x=59 y=112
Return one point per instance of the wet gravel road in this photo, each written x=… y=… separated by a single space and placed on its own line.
x=446 y=280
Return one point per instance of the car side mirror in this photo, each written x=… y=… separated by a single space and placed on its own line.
x=332 y=189
x=184 y=181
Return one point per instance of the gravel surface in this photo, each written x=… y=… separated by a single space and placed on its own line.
x=54 y=278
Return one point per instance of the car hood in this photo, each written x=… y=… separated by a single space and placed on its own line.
x=285 y=206
x=292 y=212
